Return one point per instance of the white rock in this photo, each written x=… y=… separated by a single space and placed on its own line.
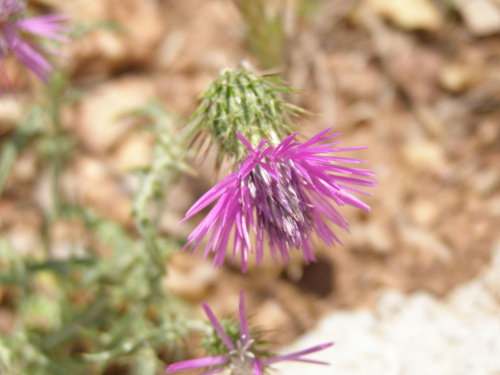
x=413 y=335
x=481 y=16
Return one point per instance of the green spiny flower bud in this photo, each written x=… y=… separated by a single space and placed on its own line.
x=244 y=102
x=213 y=344
x=236 y=351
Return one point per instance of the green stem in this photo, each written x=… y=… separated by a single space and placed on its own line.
x=57 y=161
x=66 y=332
x=8 y=156
x=154 y=253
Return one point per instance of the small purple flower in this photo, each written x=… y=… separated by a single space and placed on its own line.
x=242 y=357
x=15 y=32
x=286 y=193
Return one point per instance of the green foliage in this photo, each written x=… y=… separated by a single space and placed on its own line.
x=309 y=9
x=82 y=314
x=245 y=102
x=106 y=304
x=24 y=133
x=213 y=344
x=79 y=29
x=264 y=34
x=165 y=167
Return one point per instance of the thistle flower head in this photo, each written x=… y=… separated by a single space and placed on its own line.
x=285 y=193
x=17 y=30
x=241 y=355
x=244 y=102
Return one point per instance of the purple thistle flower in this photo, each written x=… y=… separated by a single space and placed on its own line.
x=241 y=357
x=15 y=32
x=287 y=192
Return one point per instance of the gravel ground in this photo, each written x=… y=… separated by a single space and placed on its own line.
x=415 y=334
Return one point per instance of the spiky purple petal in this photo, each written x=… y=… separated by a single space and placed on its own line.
x=244 y=330
x=257 y=367
x=297 y=356
x=197 y=363
x=48 y=26
x=220 y=331
x=14 y=25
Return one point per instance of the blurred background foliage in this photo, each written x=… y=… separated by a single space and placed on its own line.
x=100 y=302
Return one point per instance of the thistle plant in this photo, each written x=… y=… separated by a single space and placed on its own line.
x=285 y=192
x=104 y=302
x=240 y=353
x=17 y=30
x=92 y=312
x=86 y=312
x=241 y=101
x=282 y=190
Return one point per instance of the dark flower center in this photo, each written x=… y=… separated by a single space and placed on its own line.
x=284 y=211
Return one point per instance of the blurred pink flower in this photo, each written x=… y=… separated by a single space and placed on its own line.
x=286 y=193
x=241 y=357
x=16 y=30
